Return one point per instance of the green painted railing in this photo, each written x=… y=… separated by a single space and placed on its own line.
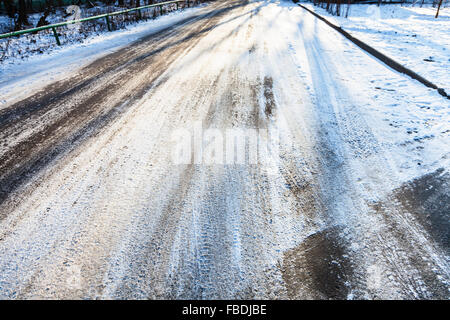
x=105 y=16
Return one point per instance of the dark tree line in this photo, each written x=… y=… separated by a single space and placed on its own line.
x=20 y=9
x=334 y=6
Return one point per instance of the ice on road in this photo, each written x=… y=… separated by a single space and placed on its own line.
x=355 y=205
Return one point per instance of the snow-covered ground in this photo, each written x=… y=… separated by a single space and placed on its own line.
x=96 y=208
x=408 y=34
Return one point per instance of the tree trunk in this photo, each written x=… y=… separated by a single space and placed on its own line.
x=10 y=9
x=138 y=13
x=29 y=4
x=439 y=6
x=43 y=20
x=22 y=19
x=348 y=8
x=50 y=5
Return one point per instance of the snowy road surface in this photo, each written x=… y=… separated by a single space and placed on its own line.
x=355 y=205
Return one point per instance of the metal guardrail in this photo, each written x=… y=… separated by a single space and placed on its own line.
x=105 y=16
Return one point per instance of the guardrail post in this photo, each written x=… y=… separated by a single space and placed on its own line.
x=177 y=5
x=139 y=14
x=188 y=3
x=160 y=10
x=108 y=23
x=56 y=36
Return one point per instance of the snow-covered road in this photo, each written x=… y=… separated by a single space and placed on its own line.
x=355 y=204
